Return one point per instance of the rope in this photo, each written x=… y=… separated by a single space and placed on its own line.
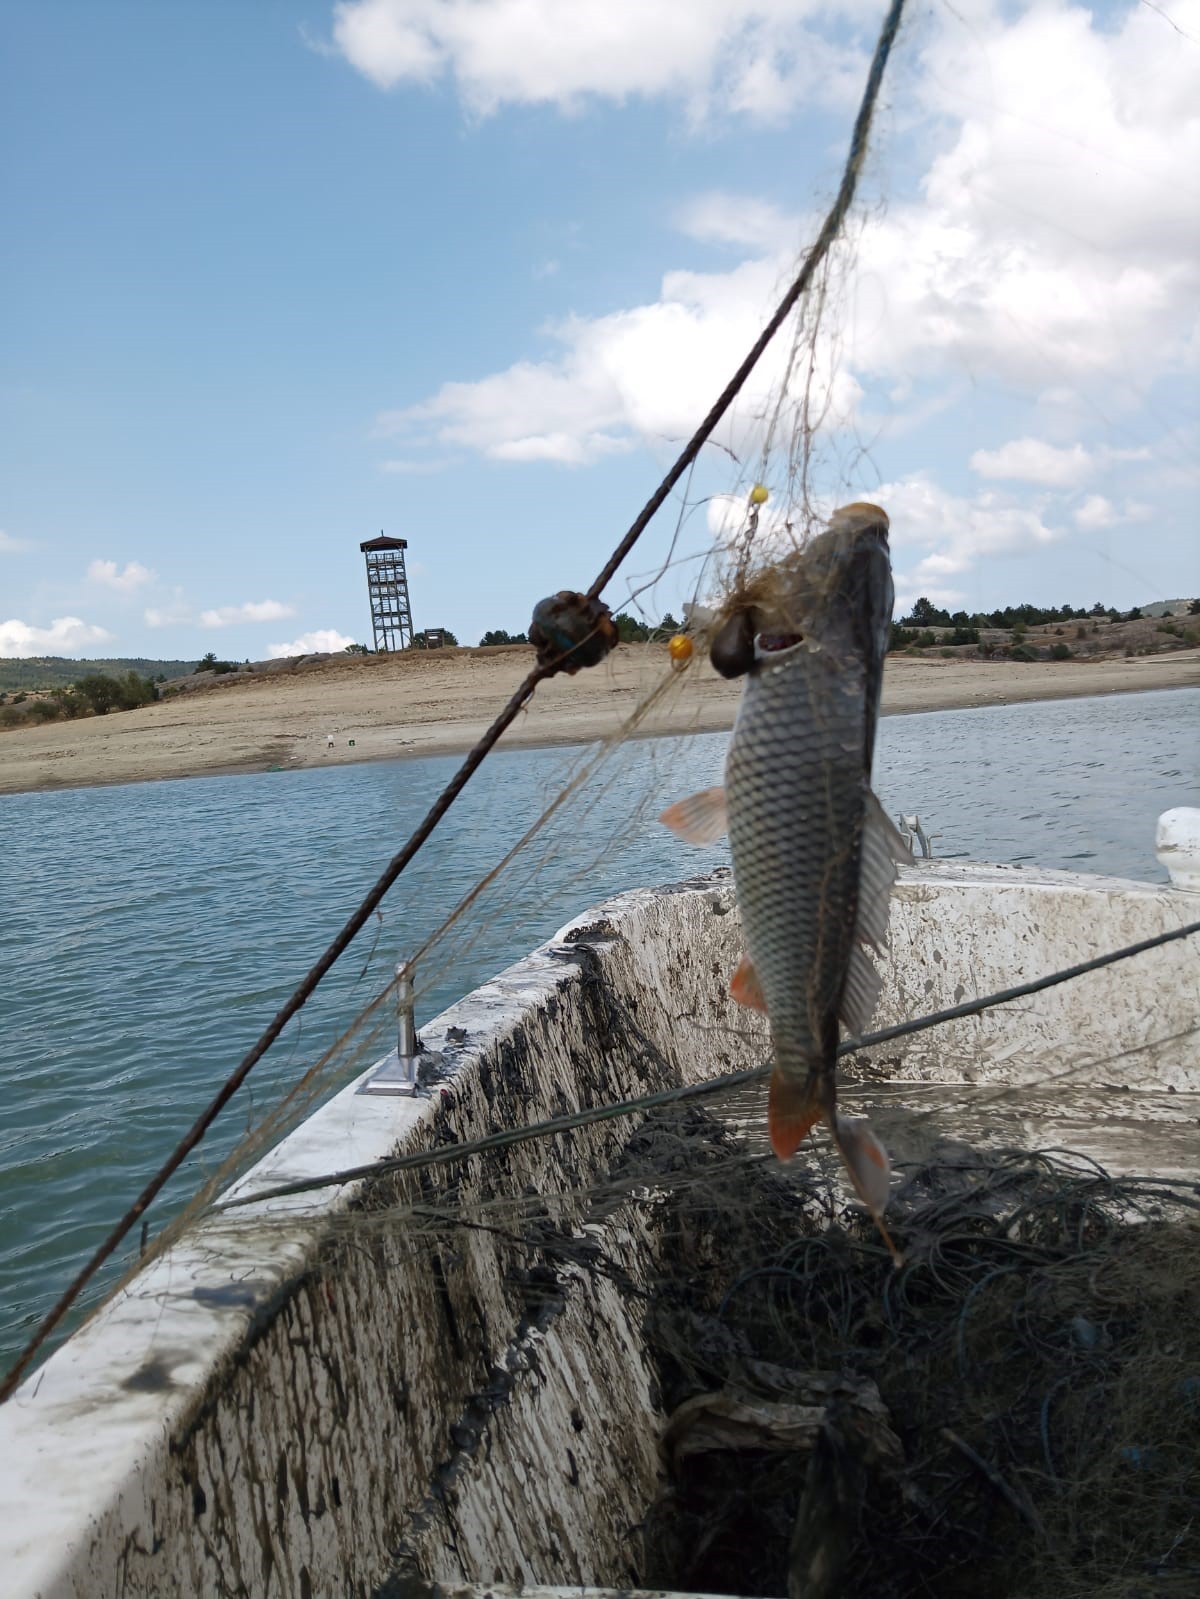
x=308 y=985
x=449 y=1153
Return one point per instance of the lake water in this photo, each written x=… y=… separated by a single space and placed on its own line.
x=148 y=932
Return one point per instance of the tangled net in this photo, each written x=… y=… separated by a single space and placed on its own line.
x=1037 y=1358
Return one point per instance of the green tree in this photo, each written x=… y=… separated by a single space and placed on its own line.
x=99 y=692
x=630 y=630
x=500 y=635
x=357 y=649
x=1193 y=608
x=207 y=663
x=926 y=614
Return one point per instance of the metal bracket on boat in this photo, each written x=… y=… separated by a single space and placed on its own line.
x=401 y=1072
x=910 y=828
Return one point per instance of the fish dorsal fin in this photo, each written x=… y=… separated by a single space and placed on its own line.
x=861 y=993
x=701 y=818
x=745 y=987
x=882 y=847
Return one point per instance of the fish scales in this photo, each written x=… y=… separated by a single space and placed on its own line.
x=795 y=792
x=813 y=854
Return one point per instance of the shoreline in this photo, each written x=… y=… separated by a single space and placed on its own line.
x=439 y=705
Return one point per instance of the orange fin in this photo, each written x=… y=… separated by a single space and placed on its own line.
x=701 y=818
x=867 y=1162
x=793 y=1109
x=869 y=1169
x=745 y=987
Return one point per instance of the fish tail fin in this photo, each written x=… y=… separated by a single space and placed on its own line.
x=793 y=1109
x=869 y=1169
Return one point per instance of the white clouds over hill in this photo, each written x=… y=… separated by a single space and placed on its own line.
x=66 y=635
x=321 y=641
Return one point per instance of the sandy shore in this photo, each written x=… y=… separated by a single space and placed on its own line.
x=440 y=703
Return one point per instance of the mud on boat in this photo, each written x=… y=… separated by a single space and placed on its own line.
x=480 y=1390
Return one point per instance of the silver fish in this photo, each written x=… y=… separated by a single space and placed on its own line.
x=814 y=856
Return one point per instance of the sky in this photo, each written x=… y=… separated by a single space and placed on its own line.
x=280 y=276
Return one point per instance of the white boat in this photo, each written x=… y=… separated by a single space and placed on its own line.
x=278 y=1407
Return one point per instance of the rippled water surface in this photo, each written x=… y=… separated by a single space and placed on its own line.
x=148 y=932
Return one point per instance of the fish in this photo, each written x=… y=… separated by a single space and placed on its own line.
x=814 y=854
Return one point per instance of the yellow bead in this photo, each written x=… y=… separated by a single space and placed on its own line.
x=759 y=494
x=680 y=649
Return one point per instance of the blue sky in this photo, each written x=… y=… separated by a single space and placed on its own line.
x=278 y=276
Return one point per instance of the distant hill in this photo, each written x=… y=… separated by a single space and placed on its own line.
x=55 y=671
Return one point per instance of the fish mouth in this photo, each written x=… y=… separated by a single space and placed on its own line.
x=777 y=643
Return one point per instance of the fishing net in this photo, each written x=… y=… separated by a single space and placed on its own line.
x=1014 y=1412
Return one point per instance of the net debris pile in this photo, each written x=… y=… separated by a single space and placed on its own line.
x=1014 y=1412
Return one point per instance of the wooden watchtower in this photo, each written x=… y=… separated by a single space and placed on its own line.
x=387 y=588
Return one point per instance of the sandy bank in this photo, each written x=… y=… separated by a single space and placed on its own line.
x=440 y=703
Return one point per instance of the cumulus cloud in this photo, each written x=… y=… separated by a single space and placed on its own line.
x=176 y=614
x=752 y=58
x=106 y=574
x=936 y=536
x=1055 y=247
x=12 y=546
x=251 y=611
x=948 y=533
x=1034 y=461
x=645 y=374
x=64 y=636
x=1095 y=512
x=322 y=641
x=742 y=221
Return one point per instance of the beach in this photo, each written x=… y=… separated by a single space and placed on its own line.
x=440 y=702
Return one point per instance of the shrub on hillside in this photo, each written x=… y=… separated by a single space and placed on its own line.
x=1060 y=652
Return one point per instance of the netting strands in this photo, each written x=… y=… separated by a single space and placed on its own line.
x=713 y=1085
x=307 y=987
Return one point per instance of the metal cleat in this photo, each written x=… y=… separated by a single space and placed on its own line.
x=401 y=1071
x=910 y=828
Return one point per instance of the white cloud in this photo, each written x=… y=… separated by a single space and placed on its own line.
x=322 y=641
x=935 y=535
x=64 y=636
x=105 y=574
x=743 y=221
x=1059 y=231
x=175 y=615
x=12 y=546
x=1095 y=512
x=1056 y=248
x=949 y=533
x=251 y=611
x=1034 y=461
x=645 y=374
x=728 y=517
x=755 y=58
